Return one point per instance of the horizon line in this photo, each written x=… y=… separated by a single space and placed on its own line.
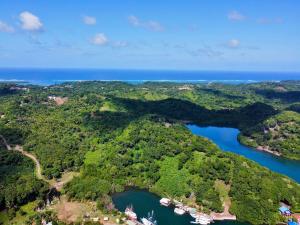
x=147 y=69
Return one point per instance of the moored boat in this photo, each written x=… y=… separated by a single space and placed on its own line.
x=202 y=219
x=130 y=213
x=165 y=202
x=146 y=221
x=149 y=220
x=194 y=214
x=179 y=211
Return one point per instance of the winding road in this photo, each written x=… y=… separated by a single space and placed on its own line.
x=38 y=167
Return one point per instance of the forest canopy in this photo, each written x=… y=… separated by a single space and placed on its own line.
x=118 y=134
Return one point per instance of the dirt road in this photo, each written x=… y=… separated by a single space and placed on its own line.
x=20 y=149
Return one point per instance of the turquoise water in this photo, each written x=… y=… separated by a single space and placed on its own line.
x=144 y=202
x=56 y=76
x=226 y=139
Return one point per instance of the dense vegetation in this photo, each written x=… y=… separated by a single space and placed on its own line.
x=170 y=161
x=279 y=133
x=118 y=134
x=18 y=184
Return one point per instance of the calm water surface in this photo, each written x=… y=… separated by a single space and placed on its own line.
x=144 y=202
x=226 y=139
x=56 y=76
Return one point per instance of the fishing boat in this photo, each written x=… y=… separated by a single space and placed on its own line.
x=179 y=211
x=202 y=219
x=165 y=202
x=130 y=213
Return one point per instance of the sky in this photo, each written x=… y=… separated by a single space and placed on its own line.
x=231 y=35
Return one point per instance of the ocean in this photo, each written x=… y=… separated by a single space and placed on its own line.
x=56 y=76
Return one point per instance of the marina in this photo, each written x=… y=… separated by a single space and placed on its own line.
x=144 y=202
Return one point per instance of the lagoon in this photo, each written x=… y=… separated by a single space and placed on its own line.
x=227 y=140
x=145 y=202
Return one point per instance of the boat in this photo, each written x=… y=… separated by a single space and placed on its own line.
x=130 y=213
x=194 y=214
x=179 y=211
x=165 y=202
x=146 y=221
x=202 y=219
x=149 y=220
x=185 y=208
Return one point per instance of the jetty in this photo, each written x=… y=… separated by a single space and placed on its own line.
x=200 y=218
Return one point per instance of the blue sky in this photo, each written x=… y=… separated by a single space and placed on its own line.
x=256 y=35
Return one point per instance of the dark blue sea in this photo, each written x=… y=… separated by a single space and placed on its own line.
x=56 y=76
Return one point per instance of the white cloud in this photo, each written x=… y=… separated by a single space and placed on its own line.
x=99 y=39
x=89 y=20
x=30 y=22
x=4 y=27
x=233 y=43
x=236 y=16
x=150 y=25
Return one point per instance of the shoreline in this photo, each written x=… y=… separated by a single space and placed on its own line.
x=225 y=215
x=266 y=149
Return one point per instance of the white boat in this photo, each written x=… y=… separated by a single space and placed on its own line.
x=149 y=220
x=179 y=211
x=194 y=215
x=203 y=220
x=130 y=213
x=193 y=212
x=146 y=221
x=165 y=202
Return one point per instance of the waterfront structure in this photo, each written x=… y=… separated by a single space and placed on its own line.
x=165 y=202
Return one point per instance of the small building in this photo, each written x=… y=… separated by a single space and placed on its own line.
x=95 y=219
x=285 y=211
x=51 y=97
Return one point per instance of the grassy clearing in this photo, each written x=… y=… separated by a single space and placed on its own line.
x=92 y=158
x=223 y=189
